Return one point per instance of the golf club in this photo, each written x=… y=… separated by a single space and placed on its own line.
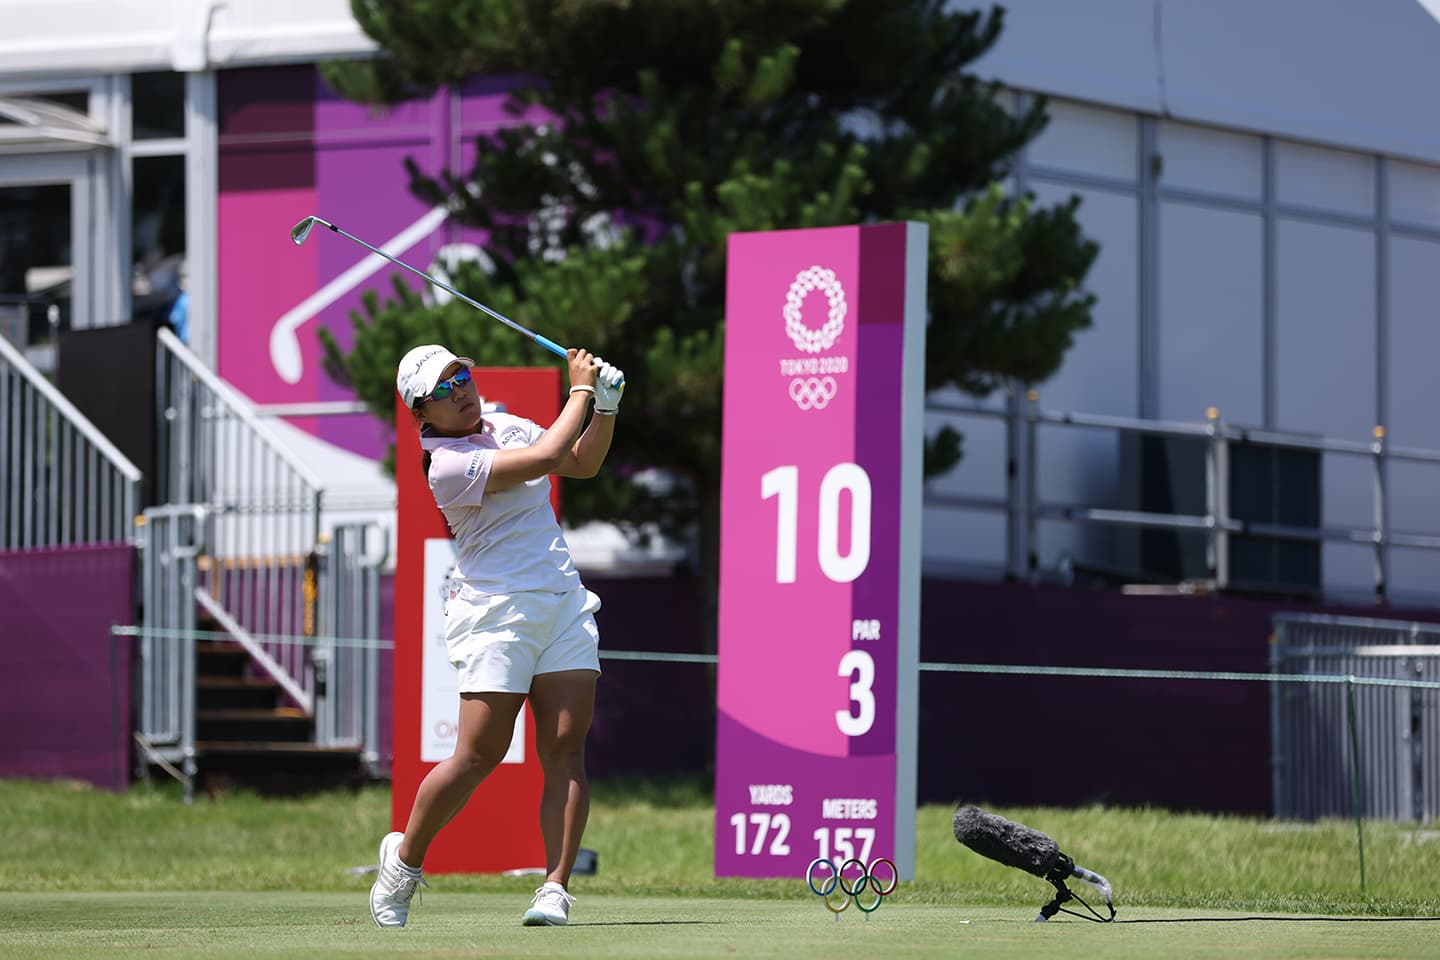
x=301 y=231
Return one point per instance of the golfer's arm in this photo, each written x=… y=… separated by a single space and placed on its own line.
x=589 y=452
x=547 y=455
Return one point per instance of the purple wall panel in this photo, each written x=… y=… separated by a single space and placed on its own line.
x=65 y=689
x=650 y=718
x=1002 y=740
x=1020 y=740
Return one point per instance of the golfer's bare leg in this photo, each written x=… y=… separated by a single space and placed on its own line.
x=487 y=721
x=563 y=704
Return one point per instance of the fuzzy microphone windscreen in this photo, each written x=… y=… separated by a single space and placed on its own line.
x=1006 y=841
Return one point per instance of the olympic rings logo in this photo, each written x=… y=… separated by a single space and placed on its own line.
x=812 y=393
x=853 y=888
x=807 y=281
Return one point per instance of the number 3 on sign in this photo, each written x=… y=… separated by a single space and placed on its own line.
x=841 y=568
x=861 y=666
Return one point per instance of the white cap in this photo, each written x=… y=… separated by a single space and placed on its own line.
x=421 y=369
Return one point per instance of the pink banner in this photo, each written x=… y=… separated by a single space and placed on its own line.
x=819 y=547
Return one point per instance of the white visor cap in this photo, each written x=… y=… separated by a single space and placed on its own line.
x=421 y=369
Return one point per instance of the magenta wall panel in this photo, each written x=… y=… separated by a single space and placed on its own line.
x=291 y=148
x=65 y=686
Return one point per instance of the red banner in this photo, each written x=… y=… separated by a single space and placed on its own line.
x=499 y=828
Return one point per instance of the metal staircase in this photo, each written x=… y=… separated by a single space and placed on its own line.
x=259 y=649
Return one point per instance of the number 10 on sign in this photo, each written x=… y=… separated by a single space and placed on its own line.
x=781 y=484
x=819 y=565
x=842 y=568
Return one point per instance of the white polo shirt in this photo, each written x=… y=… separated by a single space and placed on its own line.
x=507 y=541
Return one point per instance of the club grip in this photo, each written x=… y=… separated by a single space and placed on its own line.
x=558 y=350
x=550 y=345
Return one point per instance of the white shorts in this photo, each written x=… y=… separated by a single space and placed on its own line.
x=499 y=642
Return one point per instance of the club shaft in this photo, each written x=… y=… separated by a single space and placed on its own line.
x=545 y=342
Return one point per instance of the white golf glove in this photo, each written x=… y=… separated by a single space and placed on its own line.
x=609 y=386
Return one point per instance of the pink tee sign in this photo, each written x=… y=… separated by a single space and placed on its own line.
x=820 y=548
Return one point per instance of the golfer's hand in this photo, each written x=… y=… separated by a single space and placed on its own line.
x=583 y=369
x=609 y=387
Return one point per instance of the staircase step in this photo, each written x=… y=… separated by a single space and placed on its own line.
x=272 y=767
x=232 y=693
x=246 y=713
x=231 y=682
x=273 y=747
x=220 y=646
x=247 y=725
x=216 y=659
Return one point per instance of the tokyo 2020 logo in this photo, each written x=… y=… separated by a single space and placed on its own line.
x=807 y=281
x=812 y=381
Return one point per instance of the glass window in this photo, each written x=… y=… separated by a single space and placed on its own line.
x=1088 y=140
x=158 y=236
x=1415 y=193
x=77 y=100
x=158 y=105
x=1210 y=160
x=1324 y=179
x=36 y=269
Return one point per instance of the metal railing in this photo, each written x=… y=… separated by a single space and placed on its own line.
x=171 y=539
x=347 y=645
x=1368 y=749
x=261 y=508
x=341 y=632
x=61 y=481
x=1024 y=508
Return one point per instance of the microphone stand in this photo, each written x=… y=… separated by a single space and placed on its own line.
x=1065 y=868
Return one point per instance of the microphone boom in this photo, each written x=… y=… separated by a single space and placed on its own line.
x=1006 y=841
x=1016 y=845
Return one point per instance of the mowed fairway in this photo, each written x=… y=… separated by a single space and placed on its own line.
x=85 y=873
x=313 y=925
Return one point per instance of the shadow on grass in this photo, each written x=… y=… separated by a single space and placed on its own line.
x=652 y=923
x=1284 y=919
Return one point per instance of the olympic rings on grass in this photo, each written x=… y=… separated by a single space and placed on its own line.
x=869 y=879
x=828 y=887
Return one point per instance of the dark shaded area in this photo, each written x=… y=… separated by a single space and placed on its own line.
x=109 y=374
x=267 y=128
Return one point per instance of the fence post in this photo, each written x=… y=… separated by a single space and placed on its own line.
x=1015 y=551
x=1355 y=770
x=370 y=618
x=1032 y=505
x=1382 y=532
x=320 y=601
x=1217 y=499
x=1278 y=799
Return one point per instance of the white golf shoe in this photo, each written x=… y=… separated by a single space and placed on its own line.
x=550 y=908
x=394 y=886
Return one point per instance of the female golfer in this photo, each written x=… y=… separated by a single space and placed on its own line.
x=521 y=624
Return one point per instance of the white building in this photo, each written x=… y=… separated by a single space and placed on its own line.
x=1263 y=178
x=1264 y=182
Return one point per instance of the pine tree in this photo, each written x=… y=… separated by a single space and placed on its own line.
x=670 y=124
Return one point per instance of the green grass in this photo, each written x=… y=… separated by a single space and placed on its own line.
x=89 y=873
x=319 y=925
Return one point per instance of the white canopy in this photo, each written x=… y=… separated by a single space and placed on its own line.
x=126 y=36
x=28 y=125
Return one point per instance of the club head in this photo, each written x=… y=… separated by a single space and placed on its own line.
x=301 y=230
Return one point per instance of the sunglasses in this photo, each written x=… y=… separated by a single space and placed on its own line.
x=444 y=388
